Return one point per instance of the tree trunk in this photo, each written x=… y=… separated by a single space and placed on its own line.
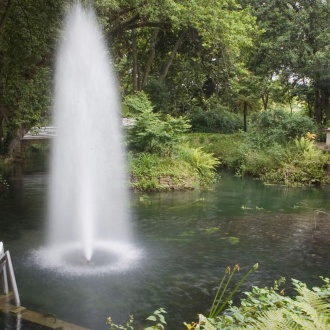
x=1 y=127
x=171 y=59
x=135 y=64
x=265 y=98
x=317 y=107
x=15 y=144
x=326 y=105
x=6 y=15
x=244 y=116
x=151 y=57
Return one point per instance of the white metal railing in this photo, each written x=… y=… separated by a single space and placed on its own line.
x=6 y=268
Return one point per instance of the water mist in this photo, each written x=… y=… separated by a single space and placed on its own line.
x=88 y=197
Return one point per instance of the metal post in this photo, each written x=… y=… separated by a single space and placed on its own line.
x=327 y=142
x=4 y=271
x=12 y=279
x=6 y=265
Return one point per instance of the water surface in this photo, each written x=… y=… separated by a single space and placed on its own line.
x=186 y=238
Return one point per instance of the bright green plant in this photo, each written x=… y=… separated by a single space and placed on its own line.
x=150 y=132
x=128 y=325
x=218 y=304
x=212 y=117
x=268 y=308
x=157 y=317
x=304 y=144
x=204 y=163
x=153 y=172
x=280 y=126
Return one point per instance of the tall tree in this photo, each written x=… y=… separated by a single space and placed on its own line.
x=27 y=39
x=294 y=48
x=170 y=33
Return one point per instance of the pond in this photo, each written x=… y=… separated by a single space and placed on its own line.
x=187 y=239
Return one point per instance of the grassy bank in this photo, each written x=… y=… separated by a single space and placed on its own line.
x=186 y=168
x=295 y=162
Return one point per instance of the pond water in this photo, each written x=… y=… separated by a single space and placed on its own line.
x=187 y=239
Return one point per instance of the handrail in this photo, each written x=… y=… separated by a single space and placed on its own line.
x=6 y=265
x=4 y=268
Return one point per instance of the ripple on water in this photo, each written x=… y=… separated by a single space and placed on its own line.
x=69 y=258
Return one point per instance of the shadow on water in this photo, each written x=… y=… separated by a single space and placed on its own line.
x=187 y=239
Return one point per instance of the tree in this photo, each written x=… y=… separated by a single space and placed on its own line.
x=149 y=38
x=294 y=47
x=28 y=32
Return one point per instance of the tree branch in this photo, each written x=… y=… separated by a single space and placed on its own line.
x=6 y=15
x=151 y=57
x=173 y=53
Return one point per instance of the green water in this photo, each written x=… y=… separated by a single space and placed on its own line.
x=187 y=239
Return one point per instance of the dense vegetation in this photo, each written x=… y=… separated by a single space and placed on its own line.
x=206 y=67
x=261 y=308
x=241 y=83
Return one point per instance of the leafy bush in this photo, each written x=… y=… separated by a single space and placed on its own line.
x=268 y=308
x=204 y=163
x=154 y=173
x=185 y=169
x=262 y=308
x=157 y=317
x=159 y=95
x=217 y=119
x=303 y=164
x=151 y=133
x=137 y=103
x=221 y=145
x=278 y=126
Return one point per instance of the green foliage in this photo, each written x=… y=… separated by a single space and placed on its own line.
x=150 y=133
x=155 y=173
x=27 y=39
x=218 y=304
x=128 y=325
x=278 y=126
x=180 y=171
x=157 y=317
x=261 y=308
x=204 y=163
x=303 y=164
x=221 y=145
x=268 y=308
x=159 y=95
x=217 y=119
x=138 y=103
x=296 y=163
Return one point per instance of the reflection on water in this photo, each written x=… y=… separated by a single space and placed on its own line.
x=187 y=239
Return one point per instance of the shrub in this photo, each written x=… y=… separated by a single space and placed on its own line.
x=204 y=163
x=154 y=173
x=221 y=145
x=159 y=95
x=268 y=308
x=303 y=164
x=151 y=133
x=279 y=126
x=217 y=119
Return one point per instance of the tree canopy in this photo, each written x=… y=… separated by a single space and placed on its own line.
x=183 y=54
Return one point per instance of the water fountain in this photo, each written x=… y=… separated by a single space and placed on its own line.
x=88 y=200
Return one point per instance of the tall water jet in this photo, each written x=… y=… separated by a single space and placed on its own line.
x=88 y=198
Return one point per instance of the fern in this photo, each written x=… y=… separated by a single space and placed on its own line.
x=265 y=309
x=272 y=320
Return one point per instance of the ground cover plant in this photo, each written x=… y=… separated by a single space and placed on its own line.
x=261 y=308
x=279 y=148
x=157 y=158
